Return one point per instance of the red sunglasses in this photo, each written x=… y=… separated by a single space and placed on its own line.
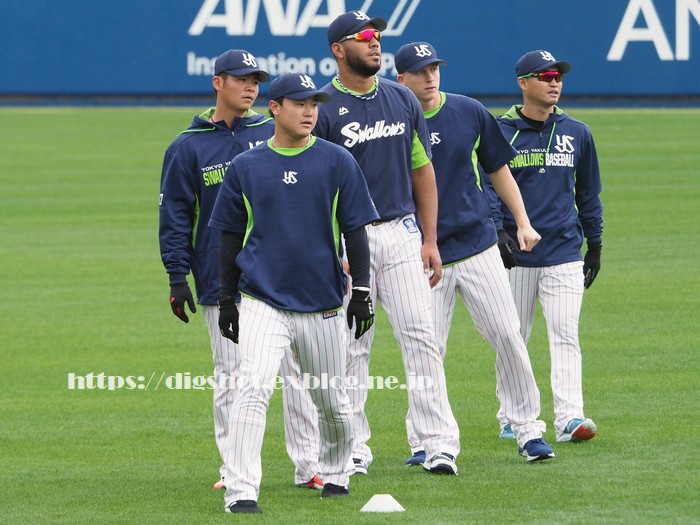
x=363 y=36
x=546 y=76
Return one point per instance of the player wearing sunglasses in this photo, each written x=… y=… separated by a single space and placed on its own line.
x=381 y=123
x=557 y=172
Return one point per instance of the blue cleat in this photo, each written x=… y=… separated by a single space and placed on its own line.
x=536 y=450
x=418 y=458
x=578 y=430
x=507 y=432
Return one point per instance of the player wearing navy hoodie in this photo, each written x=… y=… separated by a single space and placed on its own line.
x=193 y=170
x=557 y=171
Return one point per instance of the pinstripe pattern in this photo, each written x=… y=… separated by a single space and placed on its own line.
x=482 y=283
x=300 y=417
x=560 y=292
x=300 y=423
x=226 y=361
x=265 y=336
x=399 y=284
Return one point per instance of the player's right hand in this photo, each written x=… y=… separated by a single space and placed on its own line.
x=591 y=264
x=179 y=295
x=228 y=318
x=507 y=247
x=361 y=310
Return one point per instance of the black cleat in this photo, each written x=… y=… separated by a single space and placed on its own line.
x=244 y=505
x=334 y=491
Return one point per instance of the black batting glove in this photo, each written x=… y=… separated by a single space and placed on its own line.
x=179 y=295
x=360 y=308
x=507 y=247
x=591 y=264
x=228 y=318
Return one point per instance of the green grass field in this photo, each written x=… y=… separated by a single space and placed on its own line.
x=83 y=290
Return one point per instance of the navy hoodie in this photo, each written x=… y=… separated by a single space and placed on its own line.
x=193 y=170
x=557 y=172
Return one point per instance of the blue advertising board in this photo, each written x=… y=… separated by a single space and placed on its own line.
x=168 y=47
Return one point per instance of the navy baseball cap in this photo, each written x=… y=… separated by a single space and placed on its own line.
x=536 y=61
x=350 y=23
x=296 y=87
x=239 y=62
x=414 y=56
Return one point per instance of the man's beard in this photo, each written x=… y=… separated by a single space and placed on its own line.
x=361 y=68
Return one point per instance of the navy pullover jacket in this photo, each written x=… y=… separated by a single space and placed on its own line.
x=193 y=170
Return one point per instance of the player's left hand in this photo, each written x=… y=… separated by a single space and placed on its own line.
x=361 y=310
x=507 y=247
x=228 y=318
x=591 y=264
x=179 y=295
x=432 y=263
x=528 y=238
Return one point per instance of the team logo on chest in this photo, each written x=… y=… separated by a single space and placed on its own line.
x=564 y=144
x=435 y=138
x=355 y=132
x=290 y=177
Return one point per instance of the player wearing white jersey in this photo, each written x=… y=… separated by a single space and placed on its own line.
x=381 y=123
x=465 y=137
x=557 y=171
x=281 y=210
x=193 y=170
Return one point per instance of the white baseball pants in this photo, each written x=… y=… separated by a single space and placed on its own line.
x=266 y=334
x=482 y=283
x=560 y=292
x=400 y=285
x=300 y=416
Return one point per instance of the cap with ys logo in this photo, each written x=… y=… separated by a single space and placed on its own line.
x=351 y=22
x=414 y=56
x=296 y=87
x=239 y=62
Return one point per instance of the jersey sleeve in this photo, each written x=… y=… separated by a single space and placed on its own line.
x=421 y=153
x=588 y=188
x=355 y=206
x=177 y=216
x=494 y=150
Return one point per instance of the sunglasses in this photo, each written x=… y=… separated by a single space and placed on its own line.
x=546 y=76
x=363 y=36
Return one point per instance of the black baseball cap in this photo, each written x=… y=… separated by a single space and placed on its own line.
x=239 y=62
x=414 y=56
x=539 y=60
x=296 y=87
x=351 y=22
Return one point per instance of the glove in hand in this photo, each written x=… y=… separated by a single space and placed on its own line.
x=179 y=295
x=591 y=264
x=228 y=318
x=508 y=247
x=361 y=310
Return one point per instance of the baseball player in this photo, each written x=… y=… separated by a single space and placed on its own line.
x=193 y=170
x=382 y=125
x=464 y=136
x=280 y=211
x=557 y=171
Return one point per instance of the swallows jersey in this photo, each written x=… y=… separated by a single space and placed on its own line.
x=386 y=132
x=291 y=205
x=464 y=136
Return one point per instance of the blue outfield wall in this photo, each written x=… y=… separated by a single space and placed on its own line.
x=167 y=47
